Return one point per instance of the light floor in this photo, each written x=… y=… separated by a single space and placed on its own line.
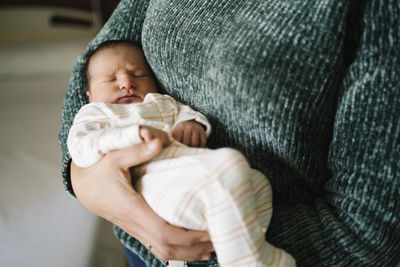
x=40 y=223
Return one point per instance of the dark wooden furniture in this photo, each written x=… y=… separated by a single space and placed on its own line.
x=105 y=7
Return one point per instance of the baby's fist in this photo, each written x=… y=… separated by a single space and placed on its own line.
x=190 y=133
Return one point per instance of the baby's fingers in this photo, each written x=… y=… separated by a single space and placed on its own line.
x=195 y=139
x=203 y=139
x=187 y=137
x=177 y=134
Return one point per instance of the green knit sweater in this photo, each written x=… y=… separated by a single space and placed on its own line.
x=308 y=90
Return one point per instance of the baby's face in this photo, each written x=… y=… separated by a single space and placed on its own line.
x=119 y=75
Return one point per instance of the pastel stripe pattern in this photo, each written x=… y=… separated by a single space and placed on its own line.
x=100 y=127
x=308 y=91
x=201 y=189
x=217 y=191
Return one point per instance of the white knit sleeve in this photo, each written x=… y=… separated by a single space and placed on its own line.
x=186 y=113
x=94 y=134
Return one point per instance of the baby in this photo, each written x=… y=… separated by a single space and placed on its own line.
x=186 y=184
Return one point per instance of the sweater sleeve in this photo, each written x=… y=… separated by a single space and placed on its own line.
x=357 y=221
x=124 y=24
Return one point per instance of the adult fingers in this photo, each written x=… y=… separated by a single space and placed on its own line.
x=182 y=244
x=197 y=252
x=184 y=237
x=146 y=134
x=168 y=242
x=135 y=154
x=165 y=138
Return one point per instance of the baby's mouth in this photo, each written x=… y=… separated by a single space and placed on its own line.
x=129 y=99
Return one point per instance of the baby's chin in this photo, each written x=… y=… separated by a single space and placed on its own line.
x=129 y=100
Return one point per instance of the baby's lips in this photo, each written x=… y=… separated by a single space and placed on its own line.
x=129 y=99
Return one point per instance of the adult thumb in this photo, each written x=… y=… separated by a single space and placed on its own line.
x=136 y=154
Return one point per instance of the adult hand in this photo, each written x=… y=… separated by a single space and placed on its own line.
x=148 y=134
x=106 y=190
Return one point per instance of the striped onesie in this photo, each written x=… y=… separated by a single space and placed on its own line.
x=195 y=188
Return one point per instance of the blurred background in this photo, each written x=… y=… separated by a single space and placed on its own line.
x=41 y=225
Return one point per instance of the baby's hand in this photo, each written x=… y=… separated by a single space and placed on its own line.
x=148 y=133
x=190 y=133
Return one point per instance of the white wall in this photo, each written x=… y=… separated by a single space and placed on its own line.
x=40 y=223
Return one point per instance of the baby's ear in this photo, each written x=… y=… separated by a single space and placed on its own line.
x=89 y=95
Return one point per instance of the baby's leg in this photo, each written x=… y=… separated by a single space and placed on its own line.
x=262 y=193
x=169 y=179
x=216 y=190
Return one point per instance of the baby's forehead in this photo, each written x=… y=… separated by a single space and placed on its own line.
x=126 y=47
x=129 y=52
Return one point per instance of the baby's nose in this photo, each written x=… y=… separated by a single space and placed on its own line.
x=126 y=82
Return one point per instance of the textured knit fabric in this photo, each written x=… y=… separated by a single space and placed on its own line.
x=195 y=188
x=308 y=91
x=100 y=127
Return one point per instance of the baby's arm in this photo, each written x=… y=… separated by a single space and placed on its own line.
x=185 y=113
x=191 y=127
x=190 y=133
x=94 y=133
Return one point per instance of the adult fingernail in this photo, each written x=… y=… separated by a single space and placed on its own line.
x=206 y=257
x=205 y=238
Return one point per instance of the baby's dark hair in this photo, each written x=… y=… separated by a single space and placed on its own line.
x=103 y=46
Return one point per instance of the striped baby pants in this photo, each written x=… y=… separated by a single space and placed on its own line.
x=216 y=191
